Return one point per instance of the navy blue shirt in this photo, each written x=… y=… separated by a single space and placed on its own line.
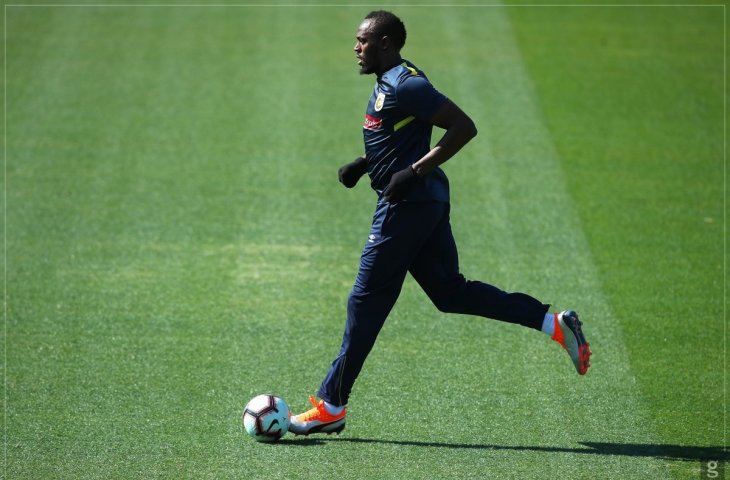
x=397 y=130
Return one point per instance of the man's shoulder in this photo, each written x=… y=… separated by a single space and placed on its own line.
x=402 y=72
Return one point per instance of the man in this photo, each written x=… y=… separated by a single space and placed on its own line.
x=410 y=230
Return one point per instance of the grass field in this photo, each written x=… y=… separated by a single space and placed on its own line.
x=177 y=242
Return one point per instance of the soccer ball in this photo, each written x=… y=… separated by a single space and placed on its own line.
x=266 y=418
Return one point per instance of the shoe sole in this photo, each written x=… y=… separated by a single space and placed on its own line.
x=576 y=342
x=328 y=428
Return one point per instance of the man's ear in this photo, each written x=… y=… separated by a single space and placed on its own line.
x=385 y=43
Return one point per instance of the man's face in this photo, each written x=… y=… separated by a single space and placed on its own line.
x=366 y=49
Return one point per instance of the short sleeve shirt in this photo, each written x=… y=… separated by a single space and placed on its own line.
x=397 y=130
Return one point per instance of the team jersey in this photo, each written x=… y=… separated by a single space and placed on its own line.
x=397 y=130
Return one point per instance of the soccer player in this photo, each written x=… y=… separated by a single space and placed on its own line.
x=410 y=230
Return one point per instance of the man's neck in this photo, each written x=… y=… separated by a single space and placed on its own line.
x=395 y=61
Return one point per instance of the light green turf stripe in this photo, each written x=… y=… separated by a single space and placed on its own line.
x=524 y=218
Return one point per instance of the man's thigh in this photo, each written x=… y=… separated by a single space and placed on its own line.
x=397 y=236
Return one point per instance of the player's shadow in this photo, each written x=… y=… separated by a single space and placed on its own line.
x=667 y=452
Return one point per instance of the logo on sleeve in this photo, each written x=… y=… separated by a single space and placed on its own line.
x=372 y=123
x=379 y=102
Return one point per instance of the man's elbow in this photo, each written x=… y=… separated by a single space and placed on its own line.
x=470 y=129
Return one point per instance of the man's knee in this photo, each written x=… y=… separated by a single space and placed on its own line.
x=447 y=297
x=445 y=304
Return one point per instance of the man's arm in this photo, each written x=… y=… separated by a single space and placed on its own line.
x=459 y=130
x=351 y=172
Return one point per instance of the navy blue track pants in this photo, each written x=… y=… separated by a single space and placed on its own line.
x=413 y=237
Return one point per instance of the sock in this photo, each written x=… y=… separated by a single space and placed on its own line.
x=548 y=324
x=333 y=409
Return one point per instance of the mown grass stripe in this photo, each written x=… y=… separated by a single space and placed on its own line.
x=647 y=162
x=521 y=185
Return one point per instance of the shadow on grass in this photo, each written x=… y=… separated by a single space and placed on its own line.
x=667 y=452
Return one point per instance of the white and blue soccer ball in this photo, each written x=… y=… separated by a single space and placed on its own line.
x=266 y=418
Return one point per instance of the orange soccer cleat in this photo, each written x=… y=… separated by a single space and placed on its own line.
x=317 y=420
x=569 y=334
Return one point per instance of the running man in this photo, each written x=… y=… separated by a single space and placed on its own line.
x=411 y=231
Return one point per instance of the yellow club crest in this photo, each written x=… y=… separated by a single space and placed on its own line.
x=379 y=102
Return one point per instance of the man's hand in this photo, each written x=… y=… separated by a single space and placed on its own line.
x=350 y=173
x=400 y=184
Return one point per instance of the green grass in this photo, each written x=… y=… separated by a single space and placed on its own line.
x=646 y=175
x=177 y=243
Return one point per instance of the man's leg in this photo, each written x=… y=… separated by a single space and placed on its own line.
x=396 y=236
x=398 y=233
x=436 y=269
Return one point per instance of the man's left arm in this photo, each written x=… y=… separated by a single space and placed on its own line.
x=459 y=130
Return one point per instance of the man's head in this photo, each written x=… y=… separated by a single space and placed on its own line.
x=380 y=37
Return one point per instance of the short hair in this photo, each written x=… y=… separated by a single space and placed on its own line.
x=386 y=23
